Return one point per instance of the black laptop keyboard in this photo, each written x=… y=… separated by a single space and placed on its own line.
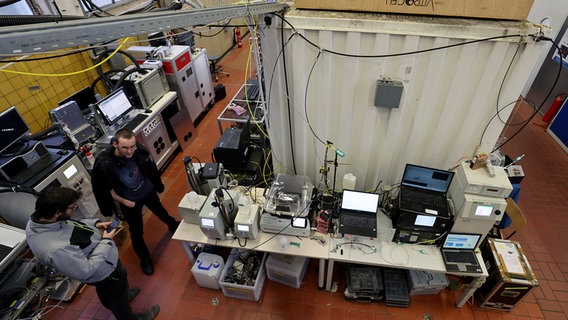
x=136 y=121
x=252 y=89
x=353 y=221
x=418 y=199
x=36 y=168
x=460 y=257
x=4 y=251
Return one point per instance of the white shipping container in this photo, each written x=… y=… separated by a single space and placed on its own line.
x=449 y=95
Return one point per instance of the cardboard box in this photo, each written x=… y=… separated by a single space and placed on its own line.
x=490 y=9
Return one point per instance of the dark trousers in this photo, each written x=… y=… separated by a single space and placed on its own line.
x=113 y=293
x=135 y=223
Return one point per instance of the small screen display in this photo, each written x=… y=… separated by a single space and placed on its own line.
x=243 y=228
x=208 y=223
x=114 y=106
x=12 y=128
x=425 y=221
x=360 y=201
x=69 y=172
x=299 y=222
x=483 y=210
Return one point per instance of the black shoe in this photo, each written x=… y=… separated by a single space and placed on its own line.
x=150 y=313
x=147 y=267
x=173 y=227
x=132 y=293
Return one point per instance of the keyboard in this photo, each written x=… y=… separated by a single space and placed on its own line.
x=354 y=221
x=4 y=251
x=460 y=257
x=418 y=199
x=136 y=121
x=36 y=168
x=252 y=90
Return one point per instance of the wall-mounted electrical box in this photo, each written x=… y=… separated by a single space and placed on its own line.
x=388 y=93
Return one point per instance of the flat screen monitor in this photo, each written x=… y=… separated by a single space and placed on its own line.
x=12 y=128
x=83 y=97
x=114 y=107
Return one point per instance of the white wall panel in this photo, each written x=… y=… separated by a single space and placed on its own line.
x=449 y=95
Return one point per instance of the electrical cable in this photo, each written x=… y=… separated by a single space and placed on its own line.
x=103 y=77
x=560 y=66
x=69 y=73
x=306 y=98
x=288 y=106
x=503 y=82
x=126 y=74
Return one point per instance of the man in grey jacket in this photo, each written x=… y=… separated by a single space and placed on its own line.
x=82 y=250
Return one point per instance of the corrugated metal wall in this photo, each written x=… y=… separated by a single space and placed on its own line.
x=449 y=95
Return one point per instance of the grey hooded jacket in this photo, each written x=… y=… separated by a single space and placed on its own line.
x=74 y=248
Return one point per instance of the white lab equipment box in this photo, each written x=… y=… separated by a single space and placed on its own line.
x=207 y=270
x=286 y=269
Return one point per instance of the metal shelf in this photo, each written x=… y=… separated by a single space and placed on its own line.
x=43 y=37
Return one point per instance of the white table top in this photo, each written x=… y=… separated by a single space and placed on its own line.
x=267 y=242
x=385 y=253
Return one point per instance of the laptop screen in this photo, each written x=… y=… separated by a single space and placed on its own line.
x=13 y=239
x=461 y=241
x=427 y=178
x=360 y=201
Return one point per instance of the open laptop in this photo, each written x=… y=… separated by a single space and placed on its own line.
x=459 y=255
x=12 y=242
x=358 y=213
x=424 y=190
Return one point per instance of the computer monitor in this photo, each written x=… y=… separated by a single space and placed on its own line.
x=12 y=129
x=114 y=107
x=83 y=97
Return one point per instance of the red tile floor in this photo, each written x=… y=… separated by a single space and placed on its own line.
x=544 y=239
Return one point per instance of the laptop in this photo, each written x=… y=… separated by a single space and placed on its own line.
x=424 y=190
x=12 y=242
x=459 y=255
x=358 y=213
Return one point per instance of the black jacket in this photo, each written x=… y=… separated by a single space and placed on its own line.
x=104 y=180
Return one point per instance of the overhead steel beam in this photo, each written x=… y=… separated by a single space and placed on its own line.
x=58 y=35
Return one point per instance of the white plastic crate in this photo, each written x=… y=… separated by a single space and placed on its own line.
x=238 y=291
x=286 y=269
x=422 y=282
x=207 y=270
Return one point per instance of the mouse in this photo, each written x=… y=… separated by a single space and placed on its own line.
x=147 y=111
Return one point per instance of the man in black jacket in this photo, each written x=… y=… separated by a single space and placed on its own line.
x=126 y=173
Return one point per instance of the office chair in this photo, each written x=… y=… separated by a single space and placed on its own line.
x=216 y=69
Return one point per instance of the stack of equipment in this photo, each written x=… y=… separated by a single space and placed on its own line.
x=422 y=214
x=364 y=284
x=396 y=288
x=479 y=199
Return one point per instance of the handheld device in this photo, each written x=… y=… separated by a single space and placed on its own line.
x=113 y=225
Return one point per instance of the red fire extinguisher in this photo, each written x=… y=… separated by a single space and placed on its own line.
x=552 y=110
x=238 y=37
